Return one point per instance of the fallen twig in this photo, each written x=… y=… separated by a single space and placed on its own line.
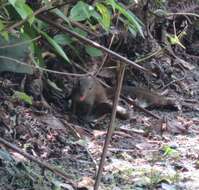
x=41 y=163
x=116 y=150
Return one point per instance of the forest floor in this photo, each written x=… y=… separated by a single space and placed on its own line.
x=145 y=153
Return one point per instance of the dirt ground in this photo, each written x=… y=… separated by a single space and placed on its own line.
x=145 y=153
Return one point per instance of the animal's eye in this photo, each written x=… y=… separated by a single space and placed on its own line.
x=90 y=88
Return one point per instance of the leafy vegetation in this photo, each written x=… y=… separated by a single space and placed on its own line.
x=39 y=61
x=100 y=13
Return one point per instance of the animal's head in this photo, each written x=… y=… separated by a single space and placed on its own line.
x=85 y=87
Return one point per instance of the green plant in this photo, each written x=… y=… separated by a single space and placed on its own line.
x=18 y=15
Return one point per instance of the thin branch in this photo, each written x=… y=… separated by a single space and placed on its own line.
x=184 y=14
x=111 y=125
x=43 y=69
x=20 y=43
x=94 y=44
x=79 y=25
x=37 y=12
x=148 y=56
x=17 y=24
x=105 y=57
x=36 y=160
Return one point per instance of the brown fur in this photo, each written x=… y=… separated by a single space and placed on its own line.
x=95 y=94
x=92 y=91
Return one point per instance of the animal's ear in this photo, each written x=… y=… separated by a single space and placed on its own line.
x=78 y=82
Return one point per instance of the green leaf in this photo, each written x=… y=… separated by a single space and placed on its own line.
x=135 y=22
x=81 y=11
x=29 y=34
x=168 y=151
x=132 y=19
x=160 y=12
x=63 y=39
x=61 y=15
x=22 y=9
x=132 y=30
x=112 y=3
x=3 y=33
x=53 y=85
x=13 y=53
x=47 y=3
x=174 y=40
x=80 y=31
x=106 y=17
x=93 y=52
x=57 y=47
x=22 y=96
